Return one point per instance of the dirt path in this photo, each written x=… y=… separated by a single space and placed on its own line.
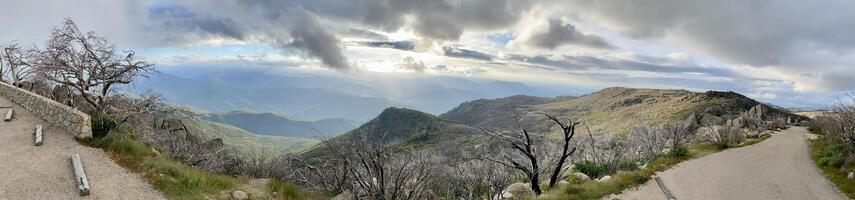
x=44 y=172
x=778 y=168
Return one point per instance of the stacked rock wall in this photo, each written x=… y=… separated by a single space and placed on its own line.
x=72 y=120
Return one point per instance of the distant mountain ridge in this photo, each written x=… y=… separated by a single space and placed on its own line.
x=408 y=128
x=614 y=110
x=315 y=97
x=608 y=111
x=279 y=125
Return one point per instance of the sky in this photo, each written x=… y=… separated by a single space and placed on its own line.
x=787 y=52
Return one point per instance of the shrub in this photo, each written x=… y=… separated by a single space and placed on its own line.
x=723 y=145
x=679 y=151
x=823 y=161
x=291 y=191
x=101 y=125
x=815 y=129
x=596 y=170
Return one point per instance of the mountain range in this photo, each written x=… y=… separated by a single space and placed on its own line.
x=310 y=97
x=608 y=111
x=279 y=125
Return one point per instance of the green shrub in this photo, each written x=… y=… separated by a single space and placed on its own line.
x=596 y=170
x=823 y=161
x=592 y=169
x=723 y=145
x=101 y=125
x=679 y=151
x=815 y=129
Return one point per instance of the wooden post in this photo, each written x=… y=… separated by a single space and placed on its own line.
x=665 y=190
x=8 y=115
x=38 y=135
x=80 y=175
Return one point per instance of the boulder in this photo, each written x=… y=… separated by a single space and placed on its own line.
x=567 y=170
x=346 y=195
x=850 y=175
x=691 y=122
x=239 y=195
x=518 y=190
x=604 y=178
x=563 y=182
x=709 y=120
x=582 y=176
x=666 y=151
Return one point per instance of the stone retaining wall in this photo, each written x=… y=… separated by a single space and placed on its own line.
x=72 y=120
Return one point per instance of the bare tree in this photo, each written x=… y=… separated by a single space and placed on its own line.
x=87 y=63
x=371 y=169
x=568 y=130
x=472 y=179
x=524 y=145
x=17 y=67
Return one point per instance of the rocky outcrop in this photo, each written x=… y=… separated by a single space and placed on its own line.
x=709 y=120
x=757 y=112
x=72 y=120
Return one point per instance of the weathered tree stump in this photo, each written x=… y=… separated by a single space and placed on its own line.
x=80 y=175
x=38 y=135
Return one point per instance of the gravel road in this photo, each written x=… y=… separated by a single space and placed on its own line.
x=45 y=172
x=778 y=168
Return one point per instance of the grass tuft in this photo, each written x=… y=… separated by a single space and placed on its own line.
x=291 y=191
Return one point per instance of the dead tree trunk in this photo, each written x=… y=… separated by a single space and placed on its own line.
x=524 y=146
x=569 y=130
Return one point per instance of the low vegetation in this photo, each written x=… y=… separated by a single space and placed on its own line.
x=834 y=149
x=174 y=179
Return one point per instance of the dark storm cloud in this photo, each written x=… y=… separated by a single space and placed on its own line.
x=173 y=16
x=458 y=52
x=440 y=20
x=559 y=33
x=318 y=41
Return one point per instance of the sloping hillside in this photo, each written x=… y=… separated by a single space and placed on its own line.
x=242 y=140
x=613 y=110
x=408 y=128
x=279 y=125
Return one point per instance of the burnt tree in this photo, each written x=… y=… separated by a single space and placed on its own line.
x=569 y=130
